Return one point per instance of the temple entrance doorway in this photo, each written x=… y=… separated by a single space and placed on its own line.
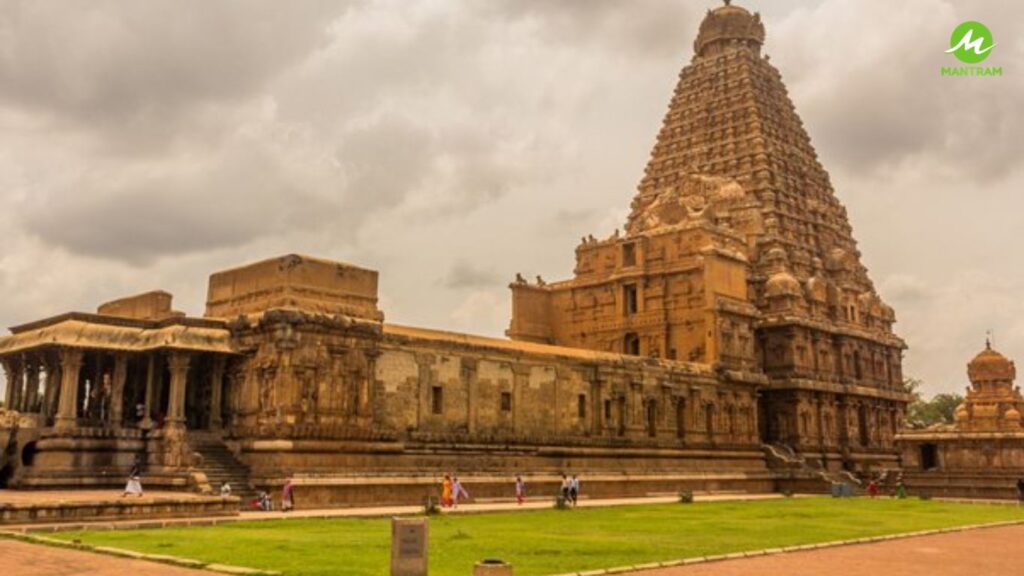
x=929 y=457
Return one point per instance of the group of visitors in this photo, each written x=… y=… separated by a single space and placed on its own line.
x=899 y=490
x=451 y=491
x=570 y=490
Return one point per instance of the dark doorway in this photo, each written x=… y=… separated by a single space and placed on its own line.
x=929 y=457
x=631 y=344
x=652 y=418
x=28 y=454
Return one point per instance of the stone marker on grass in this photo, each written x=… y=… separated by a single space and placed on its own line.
x=408 y=547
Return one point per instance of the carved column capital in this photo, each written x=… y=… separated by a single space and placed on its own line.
x=178 y=362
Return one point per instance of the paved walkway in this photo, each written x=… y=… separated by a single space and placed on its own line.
x=983 y=552
x=56 y=496
x=21 y=559
x=384 y=511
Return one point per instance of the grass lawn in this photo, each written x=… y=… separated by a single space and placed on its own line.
x=551 y=541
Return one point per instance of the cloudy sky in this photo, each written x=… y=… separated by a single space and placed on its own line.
x=450 y=144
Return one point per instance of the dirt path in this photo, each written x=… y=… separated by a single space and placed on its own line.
x=21 y=559
x=984 y=552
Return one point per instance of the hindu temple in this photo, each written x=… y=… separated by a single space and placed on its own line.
x=982 y=453
x=731 y=320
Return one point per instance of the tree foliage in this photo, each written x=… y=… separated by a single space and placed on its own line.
x=923 y=413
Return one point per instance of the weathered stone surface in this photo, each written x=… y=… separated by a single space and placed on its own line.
x=409 y=545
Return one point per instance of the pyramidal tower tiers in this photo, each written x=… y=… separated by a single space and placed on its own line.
x=738 y=254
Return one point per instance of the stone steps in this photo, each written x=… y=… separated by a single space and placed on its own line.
x=220 y=465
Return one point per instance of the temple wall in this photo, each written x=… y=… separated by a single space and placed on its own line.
x=964 y=465
x=429 y=389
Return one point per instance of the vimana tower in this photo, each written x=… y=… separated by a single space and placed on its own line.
x=738 y=254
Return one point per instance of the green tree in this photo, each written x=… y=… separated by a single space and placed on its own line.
x=923 y=413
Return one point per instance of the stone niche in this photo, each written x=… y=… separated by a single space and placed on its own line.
x=294 y=282
x=154 y=305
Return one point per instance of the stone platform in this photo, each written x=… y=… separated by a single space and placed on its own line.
x=964 y=484
x=39 y=506
x=337 y=491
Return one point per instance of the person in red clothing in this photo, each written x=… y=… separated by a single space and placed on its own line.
x=873 y=488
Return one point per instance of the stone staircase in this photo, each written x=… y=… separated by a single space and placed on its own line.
x=220 y=465
x=784 y=457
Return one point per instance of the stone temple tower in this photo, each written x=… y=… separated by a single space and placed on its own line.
x=738 y=254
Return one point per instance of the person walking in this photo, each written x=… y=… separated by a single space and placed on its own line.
x=873 y=488
x=564 y=490
x=574 y=490
x=446 y=492
x=134 y=485
x=520 y=490
x=288 y=496
x=901 y=489
x=458 y=491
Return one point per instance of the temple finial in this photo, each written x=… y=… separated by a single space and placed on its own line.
x=988 y=340
x=727 y=2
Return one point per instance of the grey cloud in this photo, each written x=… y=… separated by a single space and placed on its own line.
x=119 y=60
x=877 y=101
x=468 y=275
x=640 y=27
x=236 y=197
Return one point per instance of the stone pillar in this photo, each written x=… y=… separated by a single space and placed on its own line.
x=117 y=390
x=31 y=386
x=147 y=419
x=596 y=405
x=177 y=363
x=16 y=381
x=52 y=388
x=520 y=382
x=468 y=375
x=70 y=365
x=9 y=377
x=216 y=392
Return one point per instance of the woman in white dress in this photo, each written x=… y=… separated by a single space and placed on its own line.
x=134 y=485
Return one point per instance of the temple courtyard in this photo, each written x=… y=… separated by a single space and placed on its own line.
x=550 y=541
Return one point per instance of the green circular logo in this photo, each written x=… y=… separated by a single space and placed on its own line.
x=971 y=42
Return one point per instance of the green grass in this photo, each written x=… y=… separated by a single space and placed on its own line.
x=551 y=541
